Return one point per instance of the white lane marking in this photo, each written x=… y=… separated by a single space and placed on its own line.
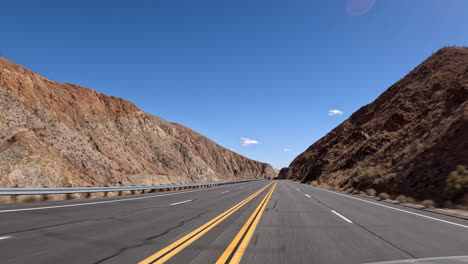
x=104 y=202
x=225 y=192
x=346 y=219
x=297 y=189
x=186 y=201
x=397 y=209
x=5 y=237
x=242 y=187
x=307 y=195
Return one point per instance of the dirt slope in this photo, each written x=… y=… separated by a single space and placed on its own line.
x=405 y=142
x=59 y=134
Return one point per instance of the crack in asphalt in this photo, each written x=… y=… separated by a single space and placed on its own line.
x=115 y=218
x=112 y=218
x=50 y=231
x=148 y=239
x=368 y=230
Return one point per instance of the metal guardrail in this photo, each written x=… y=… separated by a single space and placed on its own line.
x=71 y=190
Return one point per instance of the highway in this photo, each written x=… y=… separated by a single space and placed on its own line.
x=254 y=222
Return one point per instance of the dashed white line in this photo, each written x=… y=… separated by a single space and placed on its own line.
x=5 y=237
x=307 y=195
x=187 y=201
x=225 y=192
x=397 y=209
x=346 y=219
x=297 y=189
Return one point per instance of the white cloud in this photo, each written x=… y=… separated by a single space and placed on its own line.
x=334 y=112
x=248 y=141
x=287 y=150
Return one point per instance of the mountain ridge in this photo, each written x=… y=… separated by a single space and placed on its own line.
x=407 y=141
x=59 y=134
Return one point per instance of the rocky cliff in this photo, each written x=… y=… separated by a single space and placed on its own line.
x=406 y=142
x=59 y=134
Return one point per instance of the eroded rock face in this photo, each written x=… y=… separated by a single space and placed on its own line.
x=406 y=142
x=58 y=134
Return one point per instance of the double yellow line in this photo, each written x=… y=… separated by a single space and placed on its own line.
x=168 y=252
x=234 y=252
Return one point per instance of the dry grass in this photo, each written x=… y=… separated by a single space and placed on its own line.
x=428 y=203
x=125 y=193
x=5 y=199
x=371 y=192
x=384 y=196
x=457 y=183
x=29 y=198
x=401 y=198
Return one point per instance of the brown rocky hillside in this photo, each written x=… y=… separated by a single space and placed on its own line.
x=59 y=134
x=405 y=142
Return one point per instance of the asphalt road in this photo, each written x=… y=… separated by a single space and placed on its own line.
x=255 y=222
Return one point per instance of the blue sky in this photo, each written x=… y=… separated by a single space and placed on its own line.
x=268 y=71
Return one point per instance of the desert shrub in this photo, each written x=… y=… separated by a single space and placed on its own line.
x=428 y=203
x=384 y=196
x=371 y=192
x=313 y=183
x=361 y=178
x=350 y=190
x=402 y=199
x=457 y=183
x=414 y=147
x=4 y=199
x=30 y=198
x=410 y=200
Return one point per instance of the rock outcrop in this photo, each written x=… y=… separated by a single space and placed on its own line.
x=405 y=142
x=58 y=134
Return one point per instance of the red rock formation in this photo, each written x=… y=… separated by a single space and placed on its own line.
x=59 y=134
x=405 y=142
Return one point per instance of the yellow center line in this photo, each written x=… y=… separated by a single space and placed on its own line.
x=171 y=250
x=234 y=252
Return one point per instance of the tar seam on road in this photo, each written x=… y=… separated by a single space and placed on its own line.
x=370 y=232
x=103 y=202
x=171 y=250
x=397 y=209
x=234 y=252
